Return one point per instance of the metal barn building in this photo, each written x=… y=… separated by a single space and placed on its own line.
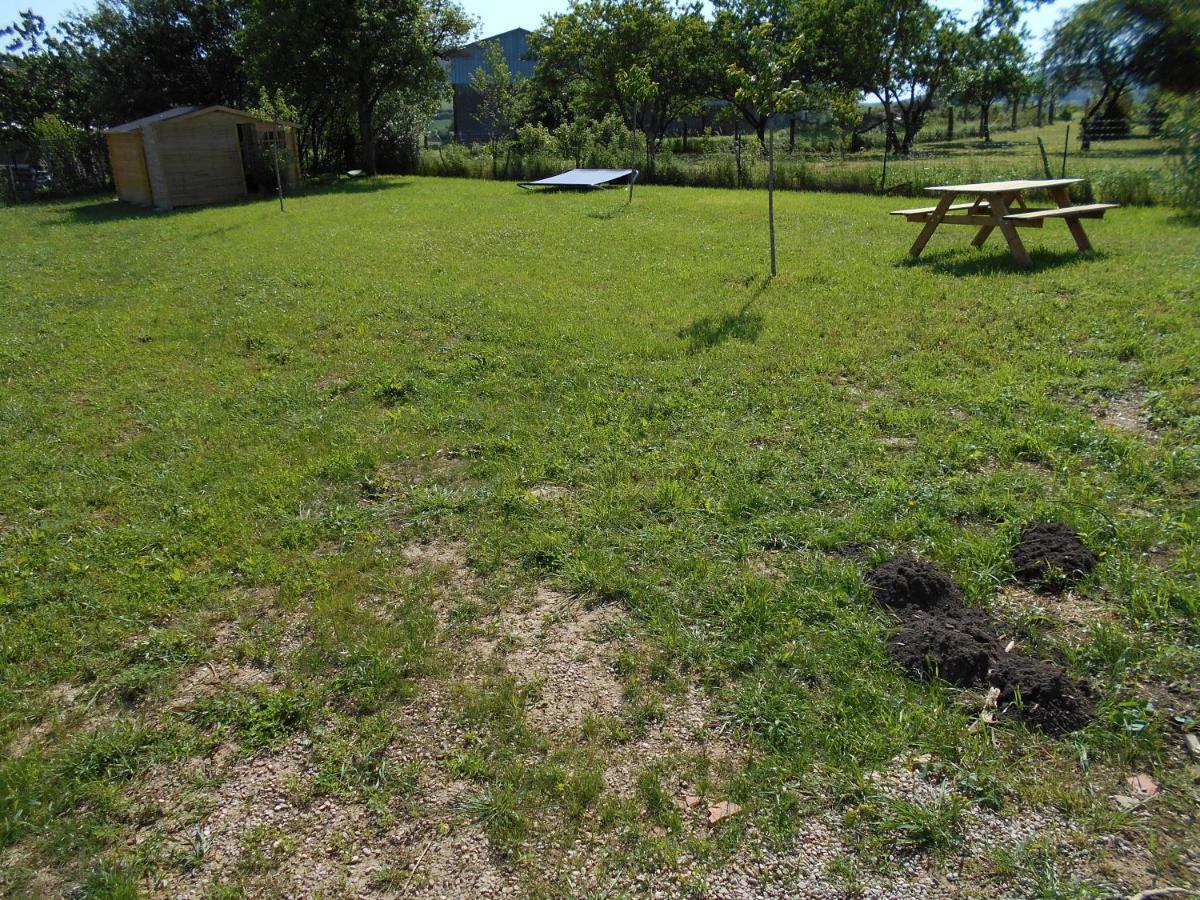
x=192 y=155
x=462 y=64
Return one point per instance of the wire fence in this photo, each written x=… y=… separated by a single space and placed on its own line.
x=1129 y=165
x=54 y=167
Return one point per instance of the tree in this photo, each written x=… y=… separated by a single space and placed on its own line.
x=908 y=49
x=25 y=89
x=766 y=83
x=503 y=100
x=584 y=53
x=366 y=53
x=993 y=60
x=1095 y=46
x=130 y=58
x=1167 y=48
x=734 y=50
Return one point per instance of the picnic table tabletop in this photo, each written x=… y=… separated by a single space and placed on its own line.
x=1003 y=187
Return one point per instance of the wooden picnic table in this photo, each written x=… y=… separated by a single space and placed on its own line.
x=993 y=208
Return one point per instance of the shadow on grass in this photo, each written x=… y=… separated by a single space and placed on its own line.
x=356 y=186
x=964 y=262
x=614 y=212
x=1186 y=218
x=112 y=210
x=709 y=331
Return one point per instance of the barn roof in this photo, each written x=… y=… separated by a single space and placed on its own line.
x=182 y=112
x=514 y=43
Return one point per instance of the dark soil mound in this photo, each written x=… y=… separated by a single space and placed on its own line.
x=955 y=652
x=1043 y=695
x=943 y=639
x=1050 y=555
x=906 y=582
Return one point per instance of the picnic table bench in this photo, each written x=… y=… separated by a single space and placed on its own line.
x=993 y=207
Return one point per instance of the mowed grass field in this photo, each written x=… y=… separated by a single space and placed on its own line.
x=437 y=537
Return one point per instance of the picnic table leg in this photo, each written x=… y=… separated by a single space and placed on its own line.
x=1063 y=198
x=931 y=224
x=999 y=204
x=985 y=232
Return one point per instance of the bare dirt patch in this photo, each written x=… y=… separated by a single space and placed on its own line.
x=567 y=648
x=71 y=705
x=689 y=729
x=824 y=858
x=1070 y=610
x=1127 y=412
x=550 y=492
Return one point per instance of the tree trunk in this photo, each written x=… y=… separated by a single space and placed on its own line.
x=1050 y=118
x=1014 y=115
x=760 y=127
x=1039 y=111
x=889 y=129
x=949 y=123
x=792 y=135
x=985 y=130
x=366 y=135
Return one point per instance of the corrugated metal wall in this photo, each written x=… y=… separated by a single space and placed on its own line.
x=513 y=43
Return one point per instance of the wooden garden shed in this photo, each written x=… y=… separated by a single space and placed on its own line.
x=192 y=155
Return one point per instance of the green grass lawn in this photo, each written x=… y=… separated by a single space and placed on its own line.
x=282 y=496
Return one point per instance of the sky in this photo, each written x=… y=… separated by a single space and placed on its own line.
x=496 y=16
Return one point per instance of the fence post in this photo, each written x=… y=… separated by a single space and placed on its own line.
x=12 y=178
x=1045 y=159
x=275 y=157
x=737 y=151
x=1066 y=145
x=883 y=179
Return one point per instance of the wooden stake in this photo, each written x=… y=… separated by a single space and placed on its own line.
x=275 y=157
x=771 y=192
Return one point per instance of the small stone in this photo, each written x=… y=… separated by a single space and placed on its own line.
x=1143 y=785
x=722 y=810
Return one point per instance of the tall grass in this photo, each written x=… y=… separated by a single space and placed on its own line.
x=717 y=167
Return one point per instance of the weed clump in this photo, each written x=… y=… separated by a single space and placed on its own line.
x=942 y=638
x=1050 y=556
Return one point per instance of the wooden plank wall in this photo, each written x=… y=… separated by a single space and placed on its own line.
x=128 y=160
x=201 y=159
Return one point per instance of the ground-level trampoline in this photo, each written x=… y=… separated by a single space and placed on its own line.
x=583 y=180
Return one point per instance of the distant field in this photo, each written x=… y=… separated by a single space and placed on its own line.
x=435 y=538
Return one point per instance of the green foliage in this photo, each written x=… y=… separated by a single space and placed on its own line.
x=362 y=56
x=1094 y=46
x=646 y=60
x=256 y=719
x=1182 y=126
x=503 y=100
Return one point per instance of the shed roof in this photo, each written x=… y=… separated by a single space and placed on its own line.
x=182 y=112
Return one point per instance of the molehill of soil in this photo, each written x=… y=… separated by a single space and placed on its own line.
x=1050 y=556
x=944 y=639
